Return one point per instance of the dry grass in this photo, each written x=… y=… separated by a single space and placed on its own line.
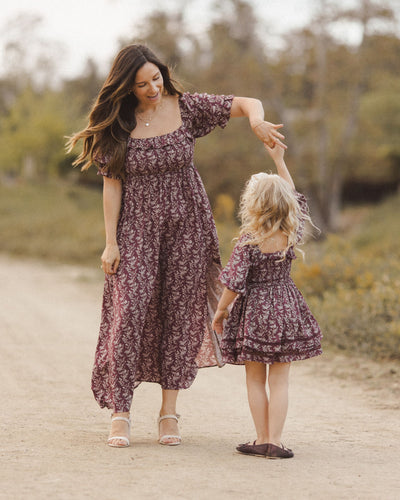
x=59 y=222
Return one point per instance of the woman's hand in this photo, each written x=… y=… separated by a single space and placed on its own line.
x=218 y=320
x=252 y=108
x=110 y=259
x=269 y=133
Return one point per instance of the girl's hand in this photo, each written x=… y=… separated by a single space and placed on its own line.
x=268 y=133
x=218 y=320
x=110 y=259
x=277 y=152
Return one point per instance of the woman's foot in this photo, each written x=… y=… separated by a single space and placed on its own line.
x=168 y=430
x=120 y=430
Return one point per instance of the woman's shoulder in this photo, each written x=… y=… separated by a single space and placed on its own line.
x=205 y=111
x=191 y=100
x=194 y=100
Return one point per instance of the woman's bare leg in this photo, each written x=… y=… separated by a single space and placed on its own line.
x=168 y=407
x=278 y=381
x=256 y=375
x=119 y=428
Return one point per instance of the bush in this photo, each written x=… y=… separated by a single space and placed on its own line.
x=352 y=284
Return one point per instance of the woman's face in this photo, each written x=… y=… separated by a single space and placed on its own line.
x=149 y=85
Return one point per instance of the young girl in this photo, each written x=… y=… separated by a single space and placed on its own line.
x=270 y=322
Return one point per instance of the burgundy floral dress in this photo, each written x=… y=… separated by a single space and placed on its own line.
x=156 y=313
x=270 y=321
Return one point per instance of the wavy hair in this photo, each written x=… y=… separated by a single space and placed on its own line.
x=112 y=117
x=269 y=204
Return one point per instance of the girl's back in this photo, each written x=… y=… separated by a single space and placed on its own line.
x=268 y=267
x=270 y=322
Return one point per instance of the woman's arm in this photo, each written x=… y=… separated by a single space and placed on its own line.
x=277 y=154
x=253 y=109
x=227 y=297
x=112 y=194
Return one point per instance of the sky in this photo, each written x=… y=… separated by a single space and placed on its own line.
x=92 y=28
x=78 y=29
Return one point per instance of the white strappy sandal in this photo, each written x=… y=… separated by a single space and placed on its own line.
x=122 y=438
x=162 y=439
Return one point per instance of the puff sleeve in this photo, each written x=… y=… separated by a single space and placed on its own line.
x=204 y=112
x=303 y=211
x=234 y=275
x=101 y=162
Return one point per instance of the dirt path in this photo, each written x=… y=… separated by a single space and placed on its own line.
x=344 y=431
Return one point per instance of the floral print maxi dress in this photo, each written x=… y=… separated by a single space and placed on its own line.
x=155 y=324
x=270 y=321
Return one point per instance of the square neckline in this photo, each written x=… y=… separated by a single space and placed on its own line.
x=168 y=133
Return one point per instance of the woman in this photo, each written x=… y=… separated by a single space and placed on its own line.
x=161 y=258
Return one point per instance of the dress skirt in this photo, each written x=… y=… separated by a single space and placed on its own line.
x=157 y=308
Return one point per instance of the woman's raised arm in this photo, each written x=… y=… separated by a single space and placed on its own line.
x=252 y=108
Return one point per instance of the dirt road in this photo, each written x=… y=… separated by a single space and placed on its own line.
x=343 y=422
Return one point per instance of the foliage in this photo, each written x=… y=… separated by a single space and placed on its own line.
x=338 y=101
x=350 y=280
x=32 y=135
x=351 y=283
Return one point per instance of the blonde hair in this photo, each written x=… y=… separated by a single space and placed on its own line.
x=269 y=204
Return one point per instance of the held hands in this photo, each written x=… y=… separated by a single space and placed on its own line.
x=277 y=152
x=218 y=320
x=268 y=133
x=110 y=259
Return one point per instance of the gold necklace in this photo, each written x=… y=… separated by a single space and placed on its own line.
x=148 y=121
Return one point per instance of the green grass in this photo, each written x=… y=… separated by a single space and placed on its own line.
x=58 y=222
x=350 y=280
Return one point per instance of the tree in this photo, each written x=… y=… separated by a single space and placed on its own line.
x=336 y=77
x=29 y=59
x=32 y=135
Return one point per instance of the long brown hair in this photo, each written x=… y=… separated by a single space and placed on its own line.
x=112 y=117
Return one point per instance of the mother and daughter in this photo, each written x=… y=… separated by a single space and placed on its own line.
x=161 y=319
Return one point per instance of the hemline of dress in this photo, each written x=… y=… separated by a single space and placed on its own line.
x=241 y=358
x=105 y=404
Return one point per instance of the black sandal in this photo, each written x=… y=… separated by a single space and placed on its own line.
x=256 y=450
x=266 y=450
x=274 y=451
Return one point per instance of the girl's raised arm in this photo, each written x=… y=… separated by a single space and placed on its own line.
x=277 y=154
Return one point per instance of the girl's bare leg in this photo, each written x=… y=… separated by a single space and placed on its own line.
x=256 y=375
x=168 y=407
x=278 y=381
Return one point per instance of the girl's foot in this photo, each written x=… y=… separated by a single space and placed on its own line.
x=256 y=450
x=168 y=430
x=267 y=450
x=281 y=451
x=120 y=430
